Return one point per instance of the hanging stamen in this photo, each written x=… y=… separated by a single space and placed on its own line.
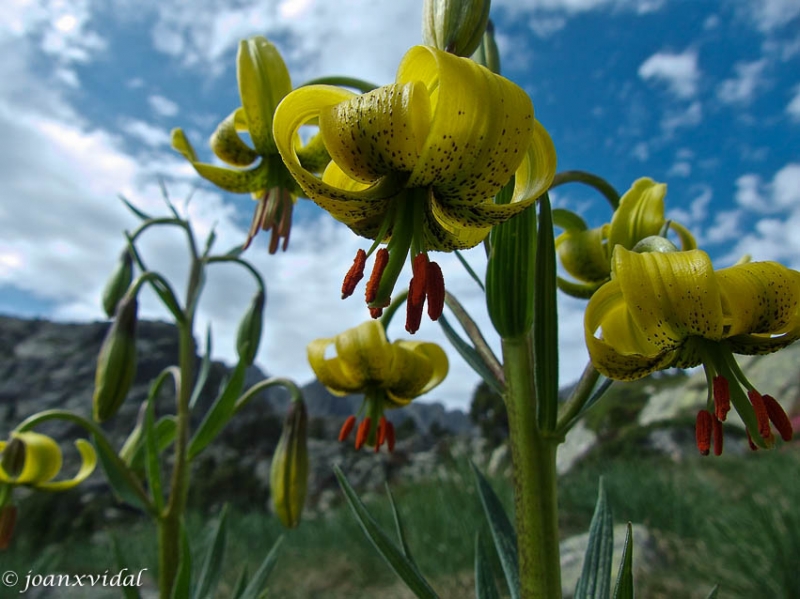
x=363 y=432
x=347 y=428
x=435 y=291
x=762 y=417
x=414 y=309
x=752 y=445
x=722 y=398
x=376 y=312
x=778 y=417
x=702 y=431
x=716 y=427
x=381 y=260
x=355 y=274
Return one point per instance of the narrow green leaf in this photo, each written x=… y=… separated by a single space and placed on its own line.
x=485 y=587
x=241 y=584
x=165 y=196
x=401 y=565
x=205 y=367
x=129 y=592
x=624 y=586
x=599 y=392
x=470 y=356
x=545 y=321
x=220 y=413
x=475 y=336
x=164 y=434
x=212 y=564
x=470 y=270
x=714 y=592
x=121 y=479
x=258 y=583
x=505 y=539
x=234 y=252
x=152 y=461
x=595 y=580
x=399 y=526
x=183 y=579
x=134 y=209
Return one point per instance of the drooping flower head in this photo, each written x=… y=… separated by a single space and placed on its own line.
x=417 y=163
x=390 y=375
x=263 y=82
x=34 y=460
x=586 y=253
x=672 y=309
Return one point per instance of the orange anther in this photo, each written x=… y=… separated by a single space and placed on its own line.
x=390 y=435
x=347 y=428
x=702 y=431
x=414 y=308
x=722 y=398
x=355 y=274
x=363 y=432
x=778 y=417
x=762 y=417
x=419 y=268
x=381 y=260
x=752 y=445
x=435 y=291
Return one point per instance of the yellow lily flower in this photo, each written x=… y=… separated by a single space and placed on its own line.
x=417 y=163
x=390 y=375
x=672 y=309
x=263 y=82
x=34 y=460
x=586 y=253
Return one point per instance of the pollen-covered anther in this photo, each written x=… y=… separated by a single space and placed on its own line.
x=778 y=417
x=414 y=306
x=722 y=398
x=381 y=438
x=419 y=268
x=753 y=446
x=376 y=312
x=381 y=261
x=363 y=432
x=716 y=427
x=347 y=428
x=703 y=431
x=435 y=291
x=762 y=416
x=355 y=274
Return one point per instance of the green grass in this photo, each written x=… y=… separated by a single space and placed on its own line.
x=731 y=520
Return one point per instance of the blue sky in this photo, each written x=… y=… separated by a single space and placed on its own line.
x=702 y=95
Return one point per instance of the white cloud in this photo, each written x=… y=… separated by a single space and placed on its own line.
x=676 y=119
x=726 y=228
x=146 y=133
x=579 y=6
x=678 y=71
x=681 y=168
x=641 y=151
x=770 y=15
x=782 y=193
x=742 y=88
x=793 y=108
x=162 y=106
x=698 y=208
x=748 y=193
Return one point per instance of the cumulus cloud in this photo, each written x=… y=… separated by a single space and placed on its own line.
x=782 y=193
x=682 y=118
x=679 y=72
x=793 y=108
x=162 y=106
x=770 y=15
x=146 y=133
x=742 y=88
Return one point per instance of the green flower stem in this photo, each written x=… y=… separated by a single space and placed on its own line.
x=577 y=399
x=169 y=523
x=535 y=492
x=355 y=83
x=295 y=394
x=474 y=333
x=600 y=184
x=389 y=312
x=256 y=275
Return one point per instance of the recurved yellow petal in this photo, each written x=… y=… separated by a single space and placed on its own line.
x=228 y=146
x=88 y=464
x=263 y=82
x=418 y=368
x=639 y=215
x=330 y=372
x=365 y=352
x=42 y=459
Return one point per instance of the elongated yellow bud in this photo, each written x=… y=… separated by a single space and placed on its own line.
x=487 y=53
x=118 y=283
x=249 y=335
x=289 y=470
x=456 y=26
x=116 y=363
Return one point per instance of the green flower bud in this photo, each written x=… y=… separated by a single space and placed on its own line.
x=655 y=243
x=455 y=26
x=116 y=363
x=118 y=283
x=8 y=518
x=133 y=441
x=249 y=335
x=487 y=53
x=289 y=469
x=510 y=274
